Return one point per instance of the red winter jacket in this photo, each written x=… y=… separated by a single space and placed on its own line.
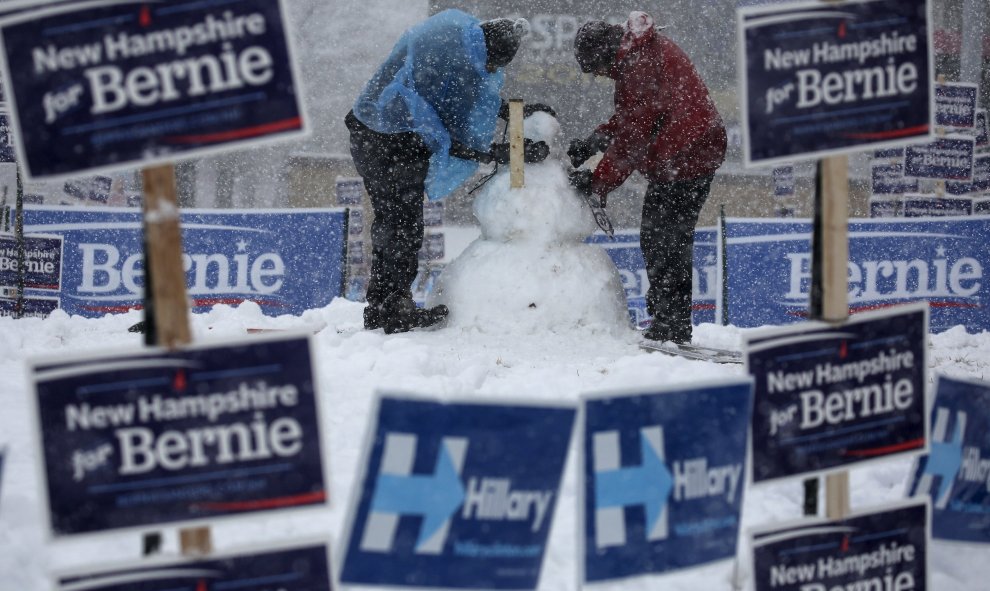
x=665 y=124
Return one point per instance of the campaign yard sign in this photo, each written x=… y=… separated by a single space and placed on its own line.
x=891 y=262
x=625 y=252
x=109 y=85
x=42 y=261
x=980 y=182
x=295 y=568
x=922 y=206
x=946 y=158
x=956 y=472
x=664 y=473
x=286 y=261
x=134 y=439
x=822 y=79
x=955 y=104
x=829 y=396
x=889 y=179
x=885 y=550
x=33 y=307
x=783 y=181
x=456 y=494
x=890 y=206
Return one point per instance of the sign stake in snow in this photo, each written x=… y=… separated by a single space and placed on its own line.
x=164 y=244
x=517 y=171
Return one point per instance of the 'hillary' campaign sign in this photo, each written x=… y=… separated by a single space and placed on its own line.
x=298 y=568
x=456 y=495
x=286 y=261
x=890 y=262
x=956 y=472
x=105 y=85
x=830 y=396
x=625 y=252
x=885 y=550
x=823 y=79
x=140 y=438
x=663 y=479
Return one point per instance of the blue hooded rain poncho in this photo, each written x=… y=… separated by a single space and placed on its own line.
x=434 y=83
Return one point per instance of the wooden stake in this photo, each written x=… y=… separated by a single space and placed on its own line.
x=517 y=175
x=835 y=281
x=164 y=237
x=195 y=541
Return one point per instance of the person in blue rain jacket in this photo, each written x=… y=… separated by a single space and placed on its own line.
x=422 y=124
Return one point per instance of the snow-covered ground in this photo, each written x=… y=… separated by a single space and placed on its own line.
x=451 y=362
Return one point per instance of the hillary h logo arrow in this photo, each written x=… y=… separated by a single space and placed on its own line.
x=945 y=457
x=435 y=497
x=648 y=484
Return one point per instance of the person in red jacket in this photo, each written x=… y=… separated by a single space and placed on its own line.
x=666 y=127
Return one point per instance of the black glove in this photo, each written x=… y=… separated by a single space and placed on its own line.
x=532 y=152
x=580 y=150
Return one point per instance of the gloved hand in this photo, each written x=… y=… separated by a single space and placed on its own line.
x=581 y=181
x=580 y=150
x=532 y=152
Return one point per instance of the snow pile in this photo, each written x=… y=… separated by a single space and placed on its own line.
x=530 y=271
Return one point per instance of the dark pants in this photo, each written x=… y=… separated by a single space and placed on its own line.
x=670 y=213
x=394 y=168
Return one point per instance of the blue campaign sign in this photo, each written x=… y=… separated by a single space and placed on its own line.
x=889 y=154
x=921 y=206
x=956 y=472
x=150 y=437
x=885 y=550
x=456 y=495
x=297 y=568
x=625 y=252
x=111 y=85
x=982 y=130
x=664 y=474
x=980 y=182
x=889 y=179
x=287 y=261
x=955 y=104
x=818 y=80
x=886 y=207
x=42 y=262
x=891 y=262
x=783 y=181
x=981 y=206
x=34 y=307
x=947 y=158
x=828 y=396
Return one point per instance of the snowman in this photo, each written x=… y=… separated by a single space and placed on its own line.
x=531 y=270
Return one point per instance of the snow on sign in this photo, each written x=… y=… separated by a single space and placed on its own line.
x=889 y=179
x=108 y=85
x=829 y=78
x=885 y=550
x=456 y=495
x=830 y=396
x=151 y=437
x=663 y=479
x=956 y=473
x=297 y=568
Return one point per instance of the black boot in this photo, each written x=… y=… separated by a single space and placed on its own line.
x=660 y=331
x=373 y=317
x=400 y=314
